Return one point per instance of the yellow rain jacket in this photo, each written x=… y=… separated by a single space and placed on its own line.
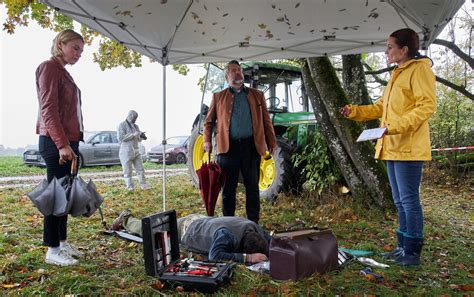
x=407 y=103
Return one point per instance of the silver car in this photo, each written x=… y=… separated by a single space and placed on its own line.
x=98 y=148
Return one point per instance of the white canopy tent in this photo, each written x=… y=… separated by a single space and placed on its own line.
x=201 y=31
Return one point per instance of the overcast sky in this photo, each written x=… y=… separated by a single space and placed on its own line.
x=107 y=96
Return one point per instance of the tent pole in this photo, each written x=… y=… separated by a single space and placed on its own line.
x=164 y=137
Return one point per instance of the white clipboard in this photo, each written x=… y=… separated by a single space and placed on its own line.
x=371 y=134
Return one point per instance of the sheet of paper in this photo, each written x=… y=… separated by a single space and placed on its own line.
x=371 y=134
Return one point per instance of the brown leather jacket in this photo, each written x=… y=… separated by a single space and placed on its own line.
x=57 y=98
x=220 y=113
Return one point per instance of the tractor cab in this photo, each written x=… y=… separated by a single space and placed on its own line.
x=281 y=84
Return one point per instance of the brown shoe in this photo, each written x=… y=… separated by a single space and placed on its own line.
x=117 y=224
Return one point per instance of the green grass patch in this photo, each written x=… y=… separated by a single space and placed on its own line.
x=113 y=266
x=13 y=166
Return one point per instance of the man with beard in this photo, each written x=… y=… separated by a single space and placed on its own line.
x=244 y=132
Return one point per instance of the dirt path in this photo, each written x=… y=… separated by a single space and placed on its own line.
x=109 y=176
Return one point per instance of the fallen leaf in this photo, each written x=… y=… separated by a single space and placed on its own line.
x=179 y=289
x=158 y=285
x=272 y=290
x=467 y=287
x=10 y=286
x=461 y=266
x=285 y=288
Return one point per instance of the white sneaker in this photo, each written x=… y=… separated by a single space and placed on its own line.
x=71 y=250
x=60 y=259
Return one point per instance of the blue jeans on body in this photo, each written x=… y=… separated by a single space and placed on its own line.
x=55 y=228
x=405 y=179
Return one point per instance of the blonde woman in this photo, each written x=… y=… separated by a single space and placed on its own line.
x=60 y=129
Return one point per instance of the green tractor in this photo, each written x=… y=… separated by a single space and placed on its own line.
x=289 y=110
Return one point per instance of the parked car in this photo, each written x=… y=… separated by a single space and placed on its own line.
x=98 y=148
x=176 y=151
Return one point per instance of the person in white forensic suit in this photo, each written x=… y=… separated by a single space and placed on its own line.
x=129 y=136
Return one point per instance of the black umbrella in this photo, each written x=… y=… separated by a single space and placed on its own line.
x=44 y=196
x=69 y=194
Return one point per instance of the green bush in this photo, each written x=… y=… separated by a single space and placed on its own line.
x=316 y=165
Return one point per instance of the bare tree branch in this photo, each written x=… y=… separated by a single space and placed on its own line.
x=379 y=71
x=460 y=89
x=452 y=46
x=376 y=72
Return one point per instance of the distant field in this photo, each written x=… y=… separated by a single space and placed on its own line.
x=13 y=166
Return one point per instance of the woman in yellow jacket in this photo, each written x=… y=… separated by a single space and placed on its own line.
x=407 y=103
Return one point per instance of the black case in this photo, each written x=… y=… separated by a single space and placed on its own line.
x=161 y=227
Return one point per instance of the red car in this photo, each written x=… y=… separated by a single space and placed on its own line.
x=176 y=151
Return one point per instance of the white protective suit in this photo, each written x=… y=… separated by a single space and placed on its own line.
x=129 y=153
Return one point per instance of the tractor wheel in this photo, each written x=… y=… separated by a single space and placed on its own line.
x=277 y=173
x=196 y=154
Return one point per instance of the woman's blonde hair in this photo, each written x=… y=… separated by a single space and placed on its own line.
x=64 y=37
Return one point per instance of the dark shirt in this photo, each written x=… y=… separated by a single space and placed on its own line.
x=241 y=119
x=222 y=245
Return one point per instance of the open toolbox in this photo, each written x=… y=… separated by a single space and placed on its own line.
x=162 y=257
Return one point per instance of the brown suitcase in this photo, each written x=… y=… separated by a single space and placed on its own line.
x=298 y=254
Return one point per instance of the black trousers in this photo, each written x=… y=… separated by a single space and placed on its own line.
x=241 y=157
x=55 y=228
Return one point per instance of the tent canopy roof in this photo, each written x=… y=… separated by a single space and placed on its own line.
x=197 y=31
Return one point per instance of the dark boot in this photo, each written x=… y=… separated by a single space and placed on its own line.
x=398 y=250
x=411 y=252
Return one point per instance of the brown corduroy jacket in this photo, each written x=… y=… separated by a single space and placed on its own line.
x=220 y=113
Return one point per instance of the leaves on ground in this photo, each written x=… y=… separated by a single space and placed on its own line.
x=112 y=266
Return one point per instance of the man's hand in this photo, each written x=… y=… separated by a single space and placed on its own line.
x=256 y=258
x=207 y=147
x=66 y=153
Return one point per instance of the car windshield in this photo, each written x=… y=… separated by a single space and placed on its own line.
x=177 y=140
x=88 y=135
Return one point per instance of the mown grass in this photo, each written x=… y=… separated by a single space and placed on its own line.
x=13 y=166
x=113 y=266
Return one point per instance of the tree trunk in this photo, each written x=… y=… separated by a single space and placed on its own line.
x=355 y=85
x=365 y=176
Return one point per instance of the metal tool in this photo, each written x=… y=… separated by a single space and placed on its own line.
x=367 y=271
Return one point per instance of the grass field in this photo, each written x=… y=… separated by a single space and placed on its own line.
x=113 y=266
x=13 y=166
